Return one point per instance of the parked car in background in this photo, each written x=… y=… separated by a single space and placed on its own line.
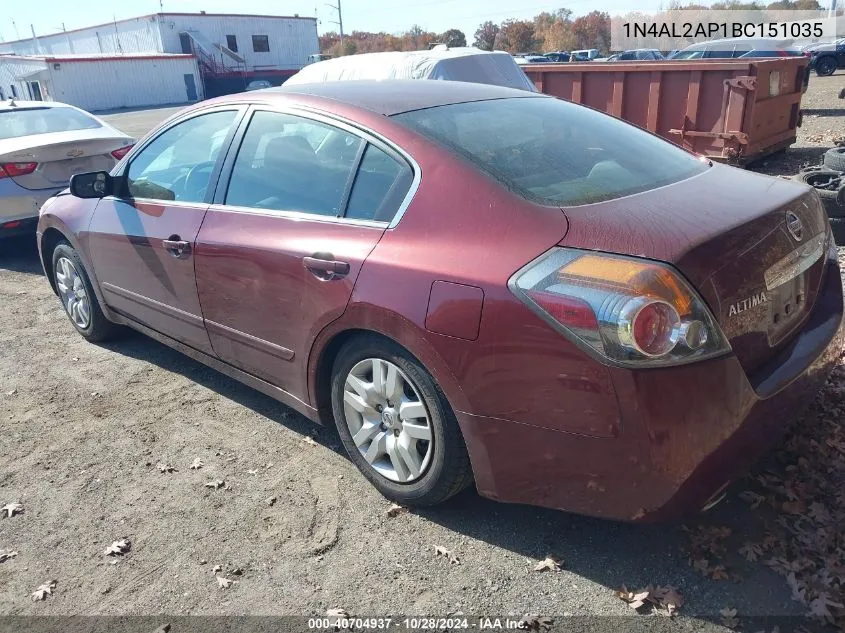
x=258 y=84
x=640 y=54
x=454 y=64
x=625 y=313
x=318 y=57
x=825 y=59
x=42 y=144
x=557 y=56
x=586 y=54
x=733 y=48
x=531 y=59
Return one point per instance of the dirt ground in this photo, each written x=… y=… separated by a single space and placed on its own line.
x=84 y=428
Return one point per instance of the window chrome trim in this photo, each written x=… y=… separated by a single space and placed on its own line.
x=295 y=215
x=354 y=128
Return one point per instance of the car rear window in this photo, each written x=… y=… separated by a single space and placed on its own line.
x=553 y=151
x=27 y=121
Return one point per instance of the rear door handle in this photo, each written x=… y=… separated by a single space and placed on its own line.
x=180 y=249
x=325 y=267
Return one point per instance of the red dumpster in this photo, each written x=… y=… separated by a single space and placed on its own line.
x=734 y=110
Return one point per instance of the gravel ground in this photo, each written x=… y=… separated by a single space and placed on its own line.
x=84 y=428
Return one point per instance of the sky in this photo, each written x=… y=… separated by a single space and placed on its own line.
x=48 y=16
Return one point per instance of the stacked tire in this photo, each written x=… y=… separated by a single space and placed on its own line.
x=829 y=181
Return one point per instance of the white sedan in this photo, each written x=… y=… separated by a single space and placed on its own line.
x=42 y=144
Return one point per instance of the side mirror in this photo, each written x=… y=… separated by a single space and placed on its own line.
x=95 y=184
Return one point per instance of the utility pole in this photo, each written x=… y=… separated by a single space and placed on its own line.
x=339 y=21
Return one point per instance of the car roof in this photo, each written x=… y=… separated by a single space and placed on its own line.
x=394 y=96
x=26 y=105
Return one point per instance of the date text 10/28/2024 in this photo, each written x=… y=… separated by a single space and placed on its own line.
x=723 y=29
x=334 y=623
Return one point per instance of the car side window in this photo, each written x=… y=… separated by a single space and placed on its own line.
x=177 y=164
x=289 y=163
x=380 y=186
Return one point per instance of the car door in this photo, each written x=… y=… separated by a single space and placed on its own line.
x=301 y=203
x=142 y=241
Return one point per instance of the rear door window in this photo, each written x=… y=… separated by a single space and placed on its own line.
x=553 y=151
x=289 y=163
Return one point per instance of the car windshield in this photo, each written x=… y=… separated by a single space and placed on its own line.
x=553 y=151
x=26 y=121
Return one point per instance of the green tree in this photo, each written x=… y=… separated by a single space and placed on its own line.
x=516 y=36
x=452 y=38
x=485 y=36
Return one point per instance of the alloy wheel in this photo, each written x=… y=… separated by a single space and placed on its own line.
x=388 y=420
x=73 y=294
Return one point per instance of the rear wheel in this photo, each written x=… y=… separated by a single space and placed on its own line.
x=77 y=295
x=826 y=66
x=396 y=425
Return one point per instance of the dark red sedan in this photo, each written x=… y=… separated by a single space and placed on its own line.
x=474 y=284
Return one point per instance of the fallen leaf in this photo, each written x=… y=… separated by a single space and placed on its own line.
x=635 y=599
x=719 y=572
x=668 y=598
x=751 y=551
x=12 y=392
x=442 y=551
x=165 y=468
x=215 y=569
x=164 y=628
x=535 y=623
x=118 y=548
x=217 y=483
x=395 y=509
x=6 y=555
x=197 y=464
x=252 y=472
x=224 y=583
x=729 y=618
x=44 y=590
x=309 y=440
x=270 y=501
x=548 y=564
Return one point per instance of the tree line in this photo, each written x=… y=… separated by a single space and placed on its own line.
x=547 y=31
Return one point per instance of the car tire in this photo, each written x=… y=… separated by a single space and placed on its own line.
x=77 y=295
x=826 y=66
x=834 y=159
x=813 y=175
x=435 y=469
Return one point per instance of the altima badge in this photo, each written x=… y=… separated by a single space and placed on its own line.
x=746 y=304
x=75 y=153
x=795 y=226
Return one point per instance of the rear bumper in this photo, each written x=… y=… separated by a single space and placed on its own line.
x=16 y=228
x=17 y=203
x=686 y=432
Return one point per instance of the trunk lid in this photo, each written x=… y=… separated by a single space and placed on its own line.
x=726 y=231
x=60 y=155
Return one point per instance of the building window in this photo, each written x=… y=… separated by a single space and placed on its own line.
x=232 y=43
x=260 y=44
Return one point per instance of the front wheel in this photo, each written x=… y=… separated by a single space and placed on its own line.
x=396 y=424
x=77 y=295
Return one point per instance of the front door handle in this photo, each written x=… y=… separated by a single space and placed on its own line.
x=325 y=267
x=179 y=248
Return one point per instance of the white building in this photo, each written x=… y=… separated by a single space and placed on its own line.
x=102 y=82
x=148 y=60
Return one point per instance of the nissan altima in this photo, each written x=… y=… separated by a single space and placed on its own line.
x=476 y=285
x=42 y=144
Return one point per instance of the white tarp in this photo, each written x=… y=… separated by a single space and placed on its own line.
x=455 y=64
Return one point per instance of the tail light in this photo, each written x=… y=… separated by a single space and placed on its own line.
x=10 y=170
x=623 y=310
x=123 y=151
